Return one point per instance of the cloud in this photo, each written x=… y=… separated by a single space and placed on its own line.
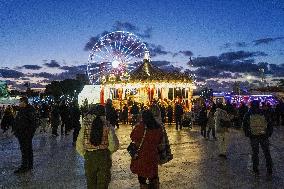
x=210 y=61
x=25 y=78
x=276 y=70
x=226 y=46
x=9 y=73
x=233 y=62
x=124 y=26
x=93 y=40
x=266 y=40
x=37 y=85
x=171 y=68
x=206 y=73
x=44 y=75
x=240 y=55
x=241 y=44
x=146 y=33
x=156 y=50
x=73 y=70
x=225 y=75
x=186 y=53
x=161 y=63
x=52 y=64
x=69 y=73
x=31 y=67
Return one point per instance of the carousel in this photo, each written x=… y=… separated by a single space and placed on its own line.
x=122 y=82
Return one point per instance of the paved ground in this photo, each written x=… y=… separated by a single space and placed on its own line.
x=195 y=164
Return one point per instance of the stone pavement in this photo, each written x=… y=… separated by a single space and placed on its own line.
x=195 y=165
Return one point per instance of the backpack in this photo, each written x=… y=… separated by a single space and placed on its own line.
x=258 y=124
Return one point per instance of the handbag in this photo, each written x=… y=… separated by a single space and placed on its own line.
x=164 y=149
x=132 y=148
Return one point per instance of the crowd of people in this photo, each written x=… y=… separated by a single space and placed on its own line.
x=257 y=120
x=96 y=140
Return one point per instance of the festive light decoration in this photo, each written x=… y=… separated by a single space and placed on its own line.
x=115 y=53
x=115 y=63
x=237 y=99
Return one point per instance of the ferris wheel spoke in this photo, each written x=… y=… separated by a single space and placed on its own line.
x=123 y=46
x=129 y=59
x=103 y=52
x=132 y=51
x=121 y=40
x=129 y=48
x=100 y=57
x=109 y=53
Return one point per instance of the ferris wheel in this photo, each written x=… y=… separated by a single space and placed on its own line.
x=115 y=55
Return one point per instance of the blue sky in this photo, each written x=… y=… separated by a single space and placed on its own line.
x=34 y=31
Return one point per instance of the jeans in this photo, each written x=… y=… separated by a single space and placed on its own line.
x=264 y=143
x=213 y=132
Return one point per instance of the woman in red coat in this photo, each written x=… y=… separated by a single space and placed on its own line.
x=146 y=165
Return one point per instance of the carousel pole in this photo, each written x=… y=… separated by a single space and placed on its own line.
x=102 y=101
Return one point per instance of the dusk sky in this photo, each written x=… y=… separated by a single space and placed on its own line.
x=226 y=39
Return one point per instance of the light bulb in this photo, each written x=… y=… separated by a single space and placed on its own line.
x=115 y=64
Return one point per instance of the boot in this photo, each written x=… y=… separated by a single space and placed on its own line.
x=144 y=186
x=154 y=184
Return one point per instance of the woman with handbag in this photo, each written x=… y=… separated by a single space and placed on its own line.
x=147 y=136
x=222 y=124
x=96 y=141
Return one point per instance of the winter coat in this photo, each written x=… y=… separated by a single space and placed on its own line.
x=202 y=117
x=83 y=144
x=218 y=116
x=25 y=122
x=75 y=117
x=247 y=128
x=211 y=121
x=178 y=111
x=111 y=114
x=170 y=112
x=7 y=119
x=134 y=109
x=146 y=165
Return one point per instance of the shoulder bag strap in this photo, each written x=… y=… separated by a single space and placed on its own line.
x=145 y=130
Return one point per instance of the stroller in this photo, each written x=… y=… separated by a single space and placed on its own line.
x=186 y=120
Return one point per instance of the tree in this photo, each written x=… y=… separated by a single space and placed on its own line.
x=71 y=87
x=54 y=89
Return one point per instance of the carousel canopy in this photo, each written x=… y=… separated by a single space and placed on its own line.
x=149 y=72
